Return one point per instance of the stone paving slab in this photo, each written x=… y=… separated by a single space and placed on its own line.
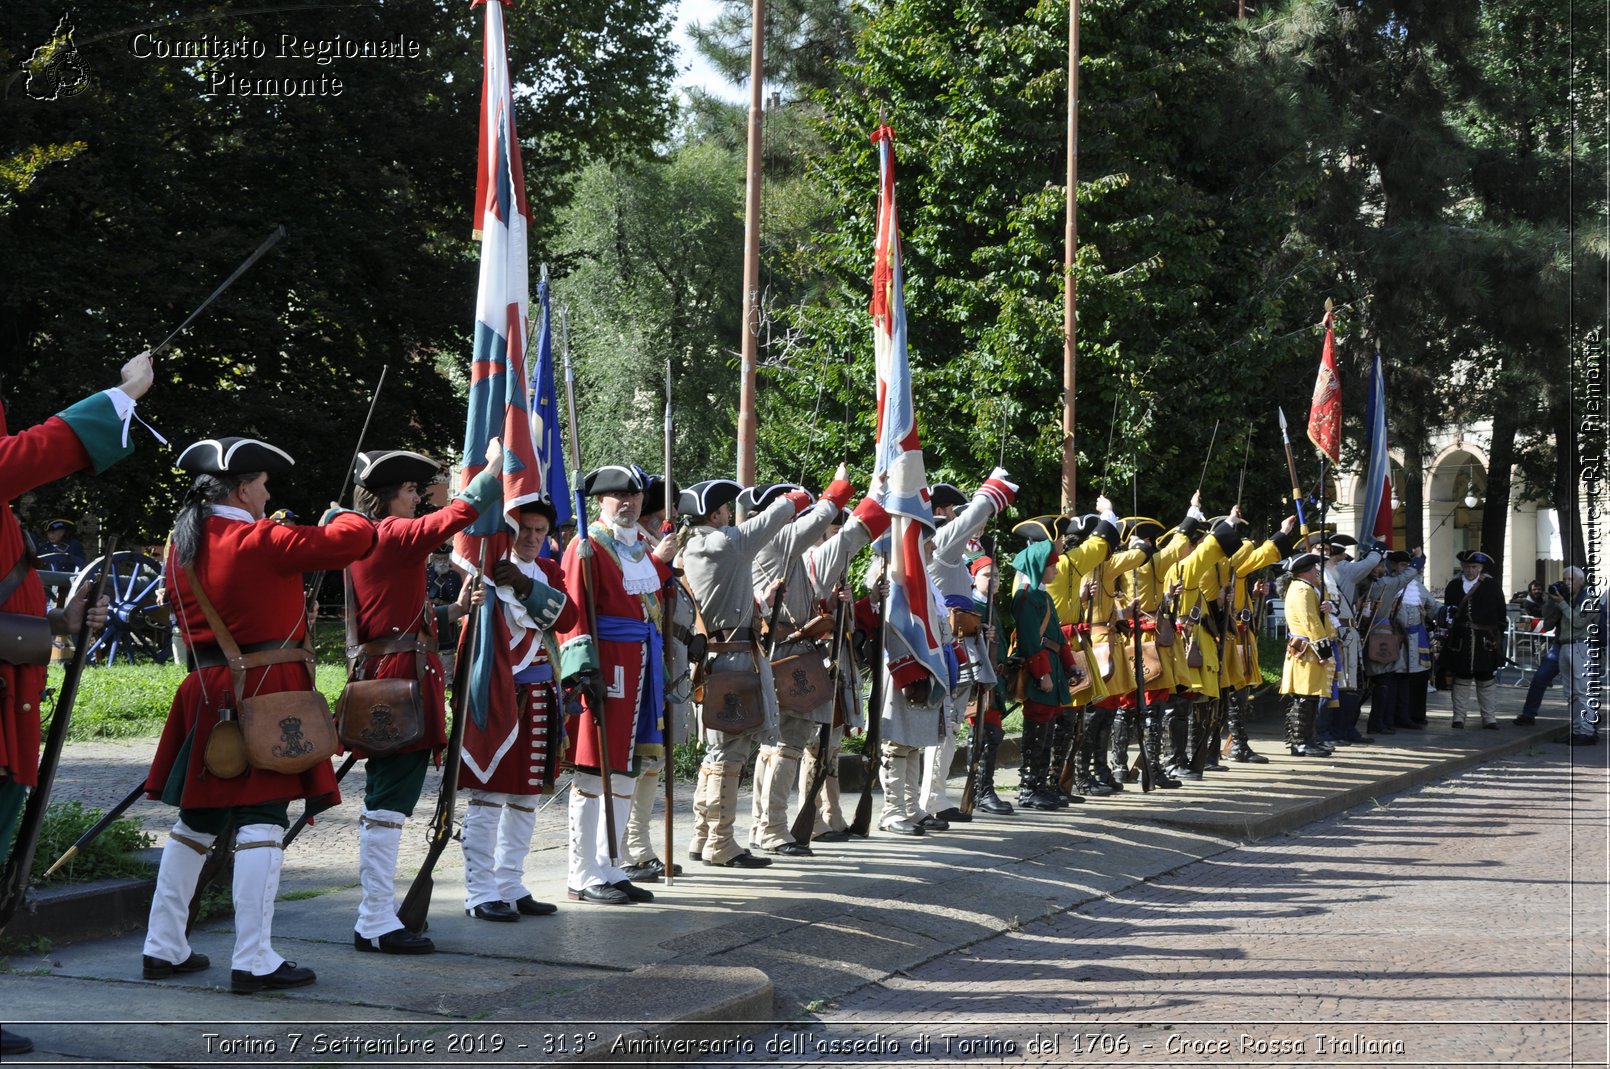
x=721 y=950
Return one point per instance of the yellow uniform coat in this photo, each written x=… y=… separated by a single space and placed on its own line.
x=1305 y=673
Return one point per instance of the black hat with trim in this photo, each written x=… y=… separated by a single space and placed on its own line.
x=654 y=497
x=1473 y=556
x=540 y=506
x=1228 y=536
x=1399 y=556
x=761 y=498
x=1302 y=562
x=701 y=499
x=391 y=467
x=614 y=479
x=944 y=495
x=233 y=456
x=59 y=525
x=1144 y=527
x=1042 y=529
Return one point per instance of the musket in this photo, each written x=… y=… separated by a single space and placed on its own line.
x=1087 y=609
x=584 y=554
x=318 y=577
x=95 y=829
x=1143 y=708
x=805 y=822
x=667 y=776
x=1245 y=454
x=862 y=824
x=1291 y=467
x=268 y=243
x=19 y=864
x=307 y=816
x=1208 y=459
x=416 y=903
x=977 y=741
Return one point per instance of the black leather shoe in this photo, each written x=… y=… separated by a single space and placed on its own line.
x=902 y=826
x=1490 y=727
x=632 y=891
x=790 y=850
x=289 y=974
x=695 y=855
x=1457 y=725
x=1523 y=720
x=401 y=941
x=157 y=969
x=994 y=803
x=933 y=823
x=954 y=816
x=832 y=835
x=494 y=911
x=1363 y=740
x=1247 y=757
x=601 y=893
x=745 y=860
x=527 y=906
x=12 y=1044
x=650 y=871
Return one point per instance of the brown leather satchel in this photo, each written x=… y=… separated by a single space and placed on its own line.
x=730 y=699
x=964 y=624
x=287 y=731
x=1165 y=629
x=1151 y=664
x=1081 y=684
x=1107 y=652
x=1384 y=645
x=802 y=683
x=381 y=717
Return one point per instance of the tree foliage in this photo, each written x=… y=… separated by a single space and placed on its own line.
x=123 y=206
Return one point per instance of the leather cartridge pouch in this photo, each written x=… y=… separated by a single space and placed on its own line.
x=732 y=700
x=1165 y=630
x=1081 y=684
x=380 y=716
x=1107 y=651
x=802 y=683
x=1193 y=649
x=1151 y=664
x=1383 y=646
x=1237 y=661
x=964 y=624
x=24 y=639
x=288 y=731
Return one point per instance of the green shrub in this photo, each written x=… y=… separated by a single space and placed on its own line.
x=110 y=855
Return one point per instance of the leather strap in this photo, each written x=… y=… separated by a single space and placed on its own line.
x=14 y=578
x=358 y=652
x=240 y=662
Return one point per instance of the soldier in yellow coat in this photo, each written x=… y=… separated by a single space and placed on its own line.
x=1310 y=667
x=1145 y=592
x=1238 y=667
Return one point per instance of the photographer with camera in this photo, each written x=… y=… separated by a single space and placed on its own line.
x=1548 y=667
x=1579 y=612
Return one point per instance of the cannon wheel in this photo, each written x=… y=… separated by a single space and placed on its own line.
x=138 y=628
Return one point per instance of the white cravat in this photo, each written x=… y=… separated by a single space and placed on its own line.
x=637 y=571
x=230 y=512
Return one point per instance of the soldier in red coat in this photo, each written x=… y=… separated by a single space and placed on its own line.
x=249 y=569
x=91 y=434
x=392 y=635
x=623 y=669
x=512 y=740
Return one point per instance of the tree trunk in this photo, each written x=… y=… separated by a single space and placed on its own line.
x=1501 y=465
x=1572 y=544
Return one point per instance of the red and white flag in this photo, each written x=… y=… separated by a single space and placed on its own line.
x=1325 y=411
x=911 y=635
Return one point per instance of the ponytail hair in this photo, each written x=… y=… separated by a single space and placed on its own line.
x=206 y=490
x=375 y=502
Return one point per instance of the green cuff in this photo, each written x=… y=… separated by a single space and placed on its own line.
x=484 y=490
x=578 y=657
x=94 y=420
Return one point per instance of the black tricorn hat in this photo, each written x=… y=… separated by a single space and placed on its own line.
x=1042 y=529
x=233 y=456
x=1302 y=562
x=945 y=495
x=390 y=467
x=760 y=498
x=614 y=479
x=654 y=498
x=1399 y=556
x=1140 y=527
x=701 y=499
x=1473 y=556
x=1228 y=536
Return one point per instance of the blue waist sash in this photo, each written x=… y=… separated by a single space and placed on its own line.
x=652 y=705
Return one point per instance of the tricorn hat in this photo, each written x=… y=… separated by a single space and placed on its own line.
x=233 y=456
x=1302 y=562
x=945 y=495
x=1042 y=529
x=654 y=497
x=391 y=467
x=760 y=498
x=59 y=525
x=1140 y=527
x=1400 y=556
x=1473 y=556
x=701 y=499
x=614 y=479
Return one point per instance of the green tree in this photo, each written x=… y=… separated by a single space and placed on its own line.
x=122 y=206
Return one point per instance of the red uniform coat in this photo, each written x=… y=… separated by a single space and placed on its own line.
x=388 y=588
x=517 y=752
x=622 y=665
x=252 y=573
x=28 y=459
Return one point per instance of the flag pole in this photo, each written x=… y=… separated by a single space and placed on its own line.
x=751 y=298
x=1070 y=296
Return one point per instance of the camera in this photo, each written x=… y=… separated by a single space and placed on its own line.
x=1558 y=589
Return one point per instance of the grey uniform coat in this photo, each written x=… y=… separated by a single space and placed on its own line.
x=1341 y=587
x=717 y=565
x=951 y=577
x=825 y=564
x=784 y=556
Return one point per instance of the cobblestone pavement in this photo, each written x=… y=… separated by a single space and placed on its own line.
x=1460 y=924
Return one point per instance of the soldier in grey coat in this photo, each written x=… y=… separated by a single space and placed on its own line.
x=1343 y=575
x=717 y=561
x=782 y=559
x=948 y=568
